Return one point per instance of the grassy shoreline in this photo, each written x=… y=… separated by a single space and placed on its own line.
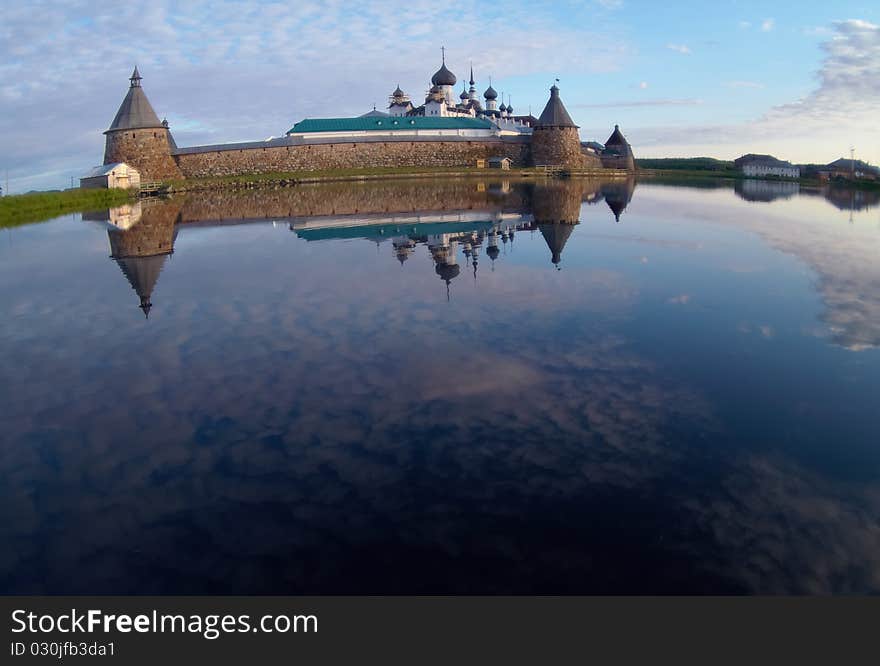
x=19 y=209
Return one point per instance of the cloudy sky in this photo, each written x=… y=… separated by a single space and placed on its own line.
x=799 y=79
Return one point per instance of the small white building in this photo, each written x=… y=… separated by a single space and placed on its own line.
x=758 y=166
x=109 y=176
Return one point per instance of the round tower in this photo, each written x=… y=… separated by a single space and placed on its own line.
x=555 y=140
x=137 y=138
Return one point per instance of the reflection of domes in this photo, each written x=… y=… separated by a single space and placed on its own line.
x=443 y=77
x=493 y=252
x=447 y=272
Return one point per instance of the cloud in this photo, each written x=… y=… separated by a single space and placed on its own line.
x=245 y=70
x=679 y=48
x=744 y=25
x=744 y=84
x=768 y=24
x=610 y=4
x=639 y=103
x=838 y=112
x=643 y=85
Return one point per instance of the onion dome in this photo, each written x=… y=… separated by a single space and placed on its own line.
x=490 y=93
x=398 y=92
x=443 y=77
x=502 y=108
x=464 y=96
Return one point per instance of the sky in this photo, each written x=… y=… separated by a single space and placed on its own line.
x=800 y=80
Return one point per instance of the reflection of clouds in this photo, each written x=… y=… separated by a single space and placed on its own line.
x=299 y=417
x=843 y=255
x=784 y=530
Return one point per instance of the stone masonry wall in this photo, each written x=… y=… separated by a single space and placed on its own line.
x=352 y=198
x=348 y=156
x=557 y=146
x=147 y=150
x=152 y=235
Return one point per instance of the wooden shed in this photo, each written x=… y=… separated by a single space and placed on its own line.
x=108 y=176
x=500 y=163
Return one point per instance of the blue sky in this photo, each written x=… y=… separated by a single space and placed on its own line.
x=799 y=79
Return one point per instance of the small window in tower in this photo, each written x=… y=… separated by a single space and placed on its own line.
x=378 y=122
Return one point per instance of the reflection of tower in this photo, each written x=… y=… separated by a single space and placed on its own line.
x=618 y=195
x=556 y=208
x=141 y=250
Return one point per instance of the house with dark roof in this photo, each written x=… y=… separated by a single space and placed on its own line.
x=850 y=168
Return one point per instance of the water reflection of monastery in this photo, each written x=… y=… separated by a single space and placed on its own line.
x=476 y=237
x=463 y=226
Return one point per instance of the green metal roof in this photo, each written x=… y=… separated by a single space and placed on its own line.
x=385 y=124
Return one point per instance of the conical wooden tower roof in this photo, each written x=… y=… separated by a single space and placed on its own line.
x=135 y=112
x=555 y=114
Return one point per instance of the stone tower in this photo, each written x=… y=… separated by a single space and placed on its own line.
x=555 y=140
x=137 y=138
x=618 y=154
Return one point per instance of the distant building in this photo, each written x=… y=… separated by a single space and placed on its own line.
x=110 y=176
x=850 y=168
x=757 y=166
x=500 y=163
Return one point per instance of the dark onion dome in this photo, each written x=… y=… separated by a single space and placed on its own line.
x=398 y=92
x=510 y=109
x=443 y=77
x=554 y=114
x=464 y=95
x=490 y=93
x=493 y=252
x=616 y=138
x=502 y=108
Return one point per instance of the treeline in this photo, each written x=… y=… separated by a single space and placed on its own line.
x=686 y=164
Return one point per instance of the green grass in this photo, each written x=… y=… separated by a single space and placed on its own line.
x=19 y=209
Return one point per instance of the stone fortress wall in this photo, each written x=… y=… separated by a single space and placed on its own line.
x=319 y=156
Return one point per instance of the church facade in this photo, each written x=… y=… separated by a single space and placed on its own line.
x=442 y=131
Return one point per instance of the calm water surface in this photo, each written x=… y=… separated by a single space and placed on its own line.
x=452 y=387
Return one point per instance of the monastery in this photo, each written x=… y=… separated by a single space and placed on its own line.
x=442 y=132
